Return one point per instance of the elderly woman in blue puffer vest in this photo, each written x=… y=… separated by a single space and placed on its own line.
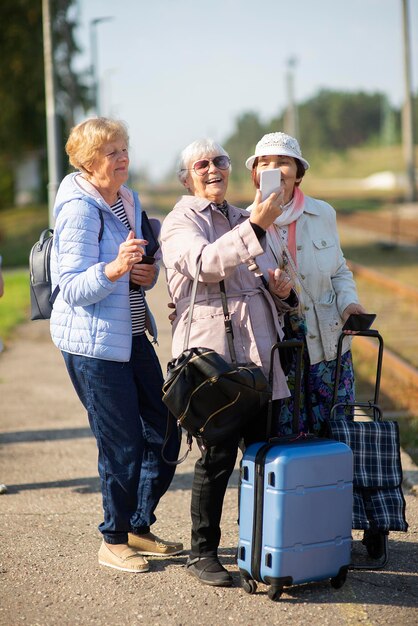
x=99 y=321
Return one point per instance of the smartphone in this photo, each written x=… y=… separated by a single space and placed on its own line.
x=148 y=260
x=270 y=182
x=359 y=321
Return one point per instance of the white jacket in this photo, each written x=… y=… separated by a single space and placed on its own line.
x=323 y=270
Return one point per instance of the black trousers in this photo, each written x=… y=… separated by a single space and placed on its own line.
x=211 y=476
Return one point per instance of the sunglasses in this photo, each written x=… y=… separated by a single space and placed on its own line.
x=200 y=167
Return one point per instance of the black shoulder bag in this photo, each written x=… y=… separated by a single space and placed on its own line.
x=210 y=398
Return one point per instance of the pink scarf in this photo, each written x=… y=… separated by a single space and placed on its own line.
x=291 y=212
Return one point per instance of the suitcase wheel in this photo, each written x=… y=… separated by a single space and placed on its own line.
x=274 y=593
x=338 y=580
x=248 y=584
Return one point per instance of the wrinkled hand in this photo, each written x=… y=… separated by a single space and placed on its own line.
x=143 y=274
x=280 y=284
x=352 y=309
x=130 y=253
x=264 y=213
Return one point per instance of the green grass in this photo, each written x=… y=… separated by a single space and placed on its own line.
x=14 y=305
x=19 y=229
x=357 y=162
x=348 y=205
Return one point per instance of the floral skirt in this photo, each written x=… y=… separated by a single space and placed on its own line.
x=317 y=394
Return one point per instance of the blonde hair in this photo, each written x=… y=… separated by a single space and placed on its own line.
x=86 y=139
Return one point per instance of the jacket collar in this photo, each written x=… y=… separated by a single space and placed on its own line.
x=201 y=204
x=82 y=183
x=310 y=206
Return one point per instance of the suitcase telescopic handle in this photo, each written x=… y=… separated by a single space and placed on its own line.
x=361 y=333
x=297 y=345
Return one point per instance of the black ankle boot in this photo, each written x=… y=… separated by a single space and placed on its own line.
x=374 y=540
x=209 y=571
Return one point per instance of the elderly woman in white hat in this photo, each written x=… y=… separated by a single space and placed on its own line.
x=305 y=241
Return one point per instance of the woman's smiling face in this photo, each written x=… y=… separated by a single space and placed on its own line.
x=111 y=165
x=212 y=185
x=288 y=168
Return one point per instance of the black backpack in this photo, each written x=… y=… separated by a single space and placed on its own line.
x=41 y=297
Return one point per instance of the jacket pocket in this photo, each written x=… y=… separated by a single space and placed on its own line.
x=329 y=324
x=324 y=252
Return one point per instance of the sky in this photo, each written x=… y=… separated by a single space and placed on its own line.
x=180 y=70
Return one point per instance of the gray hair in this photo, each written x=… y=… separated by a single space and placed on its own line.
x=195 y=151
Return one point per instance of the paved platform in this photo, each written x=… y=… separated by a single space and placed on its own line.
x=49 y=575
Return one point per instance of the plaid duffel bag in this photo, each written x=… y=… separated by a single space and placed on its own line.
x=379 y=503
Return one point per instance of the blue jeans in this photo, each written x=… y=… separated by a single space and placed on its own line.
x=129 y=422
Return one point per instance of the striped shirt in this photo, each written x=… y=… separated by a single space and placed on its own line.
x=136 y=297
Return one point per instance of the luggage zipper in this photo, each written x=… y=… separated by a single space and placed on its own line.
x=257 y=538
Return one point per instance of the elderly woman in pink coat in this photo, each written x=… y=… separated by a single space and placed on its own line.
x=233 y=248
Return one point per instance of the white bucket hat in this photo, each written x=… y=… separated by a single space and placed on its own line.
x=278 y=144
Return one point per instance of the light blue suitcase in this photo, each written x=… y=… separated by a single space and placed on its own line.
x=296 y=500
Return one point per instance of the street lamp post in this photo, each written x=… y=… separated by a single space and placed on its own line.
x=94 y=61
x=52 y=133
x=291 y=119
x=407 y=116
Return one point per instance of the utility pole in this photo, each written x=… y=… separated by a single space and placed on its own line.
x=94 y=61
x=52 y=133
x=291 y=117
x=407 y=116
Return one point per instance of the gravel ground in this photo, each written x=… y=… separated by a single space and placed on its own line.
x=49 y=574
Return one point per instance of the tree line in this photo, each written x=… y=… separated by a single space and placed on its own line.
x=22 y=87
x=330 y=120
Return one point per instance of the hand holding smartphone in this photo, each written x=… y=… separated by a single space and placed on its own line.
x=148 y=260
x=359 y=321
x=270 y=182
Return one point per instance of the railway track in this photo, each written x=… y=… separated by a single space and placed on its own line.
x=410 y=293
x=396 y=306
x=398 y=225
